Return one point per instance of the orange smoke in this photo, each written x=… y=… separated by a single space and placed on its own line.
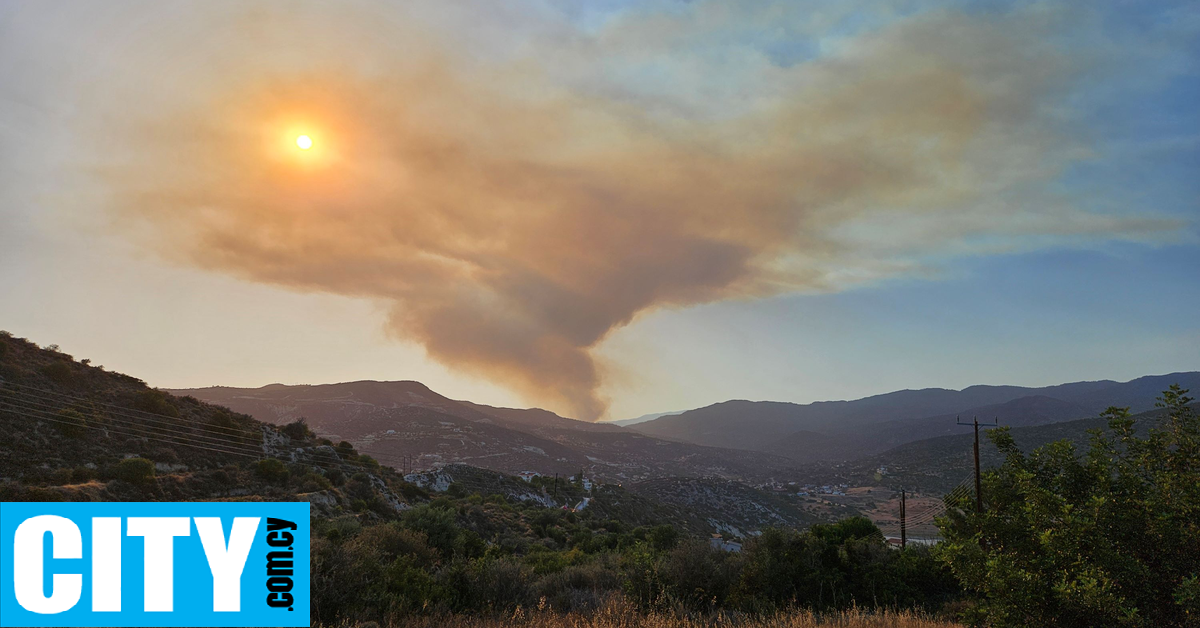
x=511 y=222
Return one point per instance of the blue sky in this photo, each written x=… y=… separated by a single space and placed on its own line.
x=640 y=206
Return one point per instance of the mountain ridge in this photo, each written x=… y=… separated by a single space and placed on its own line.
x=849 y=429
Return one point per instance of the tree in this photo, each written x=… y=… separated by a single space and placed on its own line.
x=1108 y=538
x=297 y=430
x=71 y=423
x=272 y=470
x=135 y=471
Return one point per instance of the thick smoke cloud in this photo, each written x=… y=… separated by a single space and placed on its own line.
x=512 y=210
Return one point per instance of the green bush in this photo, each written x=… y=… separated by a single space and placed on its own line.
x=663 y=538
x=155 y=402
x=699 y=576
x=223 y=425
x=79 y=475
x=70 y=422
x=1108 y=538
x=297 y=430
x=272 y=470
x=138 y=471
x=578 y=587
x=58 y=372
x=312 y=482
x=336 y=476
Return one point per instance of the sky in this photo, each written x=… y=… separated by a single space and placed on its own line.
x=605 y=208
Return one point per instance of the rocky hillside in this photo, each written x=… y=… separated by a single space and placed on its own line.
x=73 y=431
x=733 y=508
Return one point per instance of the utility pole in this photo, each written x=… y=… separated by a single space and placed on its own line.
x=978 y=489
x=555 y=487
x=903 y=531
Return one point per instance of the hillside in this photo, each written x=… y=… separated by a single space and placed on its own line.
x=410 y=424
x=73 y=431
x=844 y=430
x=935 y=465
x=69 y=429
x=732 y=508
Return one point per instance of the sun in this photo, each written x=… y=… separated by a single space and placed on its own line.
x=304 y=142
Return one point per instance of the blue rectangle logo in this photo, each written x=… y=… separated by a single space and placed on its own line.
x=154 y=564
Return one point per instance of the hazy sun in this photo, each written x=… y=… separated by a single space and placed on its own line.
x=304 y=142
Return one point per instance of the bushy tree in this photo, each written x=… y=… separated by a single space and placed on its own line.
x=1107 y=538
x=135 y=471
x=699 y=576
x=155 y=402
x=297 y=430
x=272 y=470
x=838 y=566
x=71 y=422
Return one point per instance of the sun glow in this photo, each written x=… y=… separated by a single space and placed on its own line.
x=304 y=142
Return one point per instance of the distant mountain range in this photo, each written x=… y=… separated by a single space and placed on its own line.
x=744 y=440
x=70 y=431
x=405 y=420
x=844 y=430
x=643 y=418
x=733 y=466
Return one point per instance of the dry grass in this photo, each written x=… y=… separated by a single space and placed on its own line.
x=623 y=616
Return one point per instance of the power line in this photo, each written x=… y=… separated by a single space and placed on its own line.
x=162 y=428
x=156 y=434
x=158 y=420
x=121 y=409
x=121 y=419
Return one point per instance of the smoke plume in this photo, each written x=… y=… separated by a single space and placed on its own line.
x=511 y=210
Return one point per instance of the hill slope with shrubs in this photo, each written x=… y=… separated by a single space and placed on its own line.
x=387 y=547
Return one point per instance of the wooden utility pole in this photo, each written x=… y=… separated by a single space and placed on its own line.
x=978 y=489
x=556 y=487
x=903 y=531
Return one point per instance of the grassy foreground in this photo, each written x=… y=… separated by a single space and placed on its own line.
x=617 y=615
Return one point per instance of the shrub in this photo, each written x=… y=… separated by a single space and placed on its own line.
x=297 y=430
x=61 y=476
x=71 y=422
x=80 y=475
x=1104 y=539
x=272 y=470
x=155 y=402
x=663 y=538
x=577 y=588
x=312 y=482
x=58 y=372
x=139 y=471
x=412 y=492
x=223 y=425
x=438 y=526
x=389 y=541
x=335 y=476
x=699 y=576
